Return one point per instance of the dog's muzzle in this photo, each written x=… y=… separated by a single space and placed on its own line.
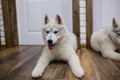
x=50 y=44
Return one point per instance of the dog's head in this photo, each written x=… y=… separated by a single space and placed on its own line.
x=116 y=31
x=53 y=31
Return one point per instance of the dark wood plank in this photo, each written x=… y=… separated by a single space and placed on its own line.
x=17 y=64
x=76 y=20
x=9 y=51
x=0 y=40
x=69 y=75
x=24 y=72
x=10 y=65
x=55 y=70
x=106 y=68
x=13 y=22
x=91 y=72
x=89 y=21
x=5 y=10
x=10 y=22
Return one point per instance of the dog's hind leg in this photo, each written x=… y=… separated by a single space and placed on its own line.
x=111 y=55
x=41 y=65
x=108 y=51
x=75 y=66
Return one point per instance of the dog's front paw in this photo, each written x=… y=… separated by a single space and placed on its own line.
x=79 y=73
x=36 y=74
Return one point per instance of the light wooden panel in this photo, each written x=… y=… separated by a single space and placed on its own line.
x=76 y=21
x=89 y=23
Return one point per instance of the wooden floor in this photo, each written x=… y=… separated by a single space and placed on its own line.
x=17 y=64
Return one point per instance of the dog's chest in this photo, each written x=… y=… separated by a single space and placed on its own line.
x=59 y=53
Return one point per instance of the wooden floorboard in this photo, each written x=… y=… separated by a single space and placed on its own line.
x=11 y=65
x=17 y=64
x=108 y=69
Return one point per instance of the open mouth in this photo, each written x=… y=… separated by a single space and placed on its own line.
x=51 y=46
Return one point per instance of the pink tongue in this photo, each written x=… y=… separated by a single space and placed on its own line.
x=51 y=46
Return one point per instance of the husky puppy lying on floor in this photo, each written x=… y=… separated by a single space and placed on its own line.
x=59 y=45
x=107 y=41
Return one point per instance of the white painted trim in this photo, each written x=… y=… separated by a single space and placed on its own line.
x=97 y=14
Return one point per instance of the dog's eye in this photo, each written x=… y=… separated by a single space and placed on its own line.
x=118 y=34
x=47 y=32
x=55 y=32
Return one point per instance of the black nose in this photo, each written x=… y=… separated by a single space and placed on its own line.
x=50 y=41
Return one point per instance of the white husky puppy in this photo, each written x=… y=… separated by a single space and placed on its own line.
x=59 y=45
x=107 y=41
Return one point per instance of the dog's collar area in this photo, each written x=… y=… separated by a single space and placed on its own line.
x=51 y=46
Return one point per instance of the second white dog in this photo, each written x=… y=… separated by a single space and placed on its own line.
x=107 y=41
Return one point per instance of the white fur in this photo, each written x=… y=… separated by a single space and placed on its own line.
x=63 y=50
x=106 y=42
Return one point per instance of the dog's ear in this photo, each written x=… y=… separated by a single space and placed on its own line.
x=58 y=19
x=115 y=25
x=46 y=19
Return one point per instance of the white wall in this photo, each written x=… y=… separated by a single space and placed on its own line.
x=67 y=17
x=103 y=13
x=37 y=10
